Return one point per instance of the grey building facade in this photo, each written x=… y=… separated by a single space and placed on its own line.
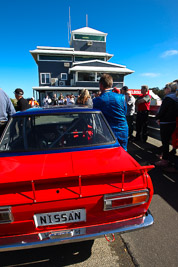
x=69 y=70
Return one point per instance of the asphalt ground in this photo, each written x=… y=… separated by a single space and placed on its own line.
x=156 y=245
x=84 y=254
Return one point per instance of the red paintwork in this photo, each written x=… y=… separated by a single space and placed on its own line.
x=154 y=109
x=59 y=165
x=65 y=181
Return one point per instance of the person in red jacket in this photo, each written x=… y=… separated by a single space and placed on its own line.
x=143 y=107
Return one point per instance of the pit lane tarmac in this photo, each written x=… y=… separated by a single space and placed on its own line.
x=85 y=254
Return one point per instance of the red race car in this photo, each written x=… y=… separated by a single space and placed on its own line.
x=65 y=178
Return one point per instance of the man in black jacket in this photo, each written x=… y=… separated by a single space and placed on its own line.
x=22 y=103
x=166 y=118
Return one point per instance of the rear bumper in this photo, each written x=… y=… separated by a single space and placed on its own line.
x=75 y=235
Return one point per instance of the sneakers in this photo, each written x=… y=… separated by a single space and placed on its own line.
x=162 y=163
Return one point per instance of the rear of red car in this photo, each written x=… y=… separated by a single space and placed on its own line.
x=52 y=197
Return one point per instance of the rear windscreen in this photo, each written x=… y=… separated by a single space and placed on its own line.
x=48 y=132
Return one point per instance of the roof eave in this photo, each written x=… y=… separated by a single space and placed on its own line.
x=100 y=61
x=124 y=71
x=36 y=52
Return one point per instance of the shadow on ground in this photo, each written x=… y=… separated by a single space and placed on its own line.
x=165 y=184
x=60 y=255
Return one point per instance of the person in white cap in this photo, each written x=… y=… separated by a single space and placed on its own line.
x=22 y=103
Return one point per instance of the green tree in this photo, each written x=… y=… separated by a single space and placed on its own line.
x=14 y=101
x=159 y=92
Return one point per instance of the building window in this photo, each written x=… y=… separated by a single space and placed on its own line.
x=85 y=76
x=116 y=77
x=45 y=78
x=89 y=37
x=95 y=77
x=85 y=58
x=63 y=76
x=99 y=74
x=55 y=58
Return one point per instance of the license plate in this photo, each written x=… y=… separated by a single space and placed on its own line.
x=61 y=217
x=62 y=234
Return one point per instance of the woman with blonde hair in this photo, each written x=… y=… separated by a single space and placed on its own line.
x=84 y=98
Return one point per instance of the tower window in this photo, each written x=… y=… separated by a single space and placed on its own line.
x=89 y=37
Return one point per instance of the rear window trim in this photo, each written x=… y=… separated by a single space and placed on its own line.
x=55 y=151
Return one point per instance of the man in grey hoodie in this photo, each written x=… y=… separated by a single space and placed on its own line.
x=6 y=110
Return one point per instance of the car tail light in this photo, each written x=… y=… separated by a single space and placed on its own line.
x=124 y=200
x=5 y=215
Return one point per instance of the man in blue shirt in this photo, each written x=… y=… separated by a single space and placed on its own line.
x=114 y=108
x=6 y=110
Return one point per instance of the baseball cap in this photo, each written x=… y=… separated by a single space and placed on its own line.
x=18 y=91
x=125 y=88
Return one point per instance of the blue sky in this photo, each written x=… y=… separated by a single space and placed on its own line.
x=142 y=34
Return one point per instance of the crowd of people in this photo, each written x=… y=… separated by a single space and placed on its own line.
x=119 y=107
x=83 y=98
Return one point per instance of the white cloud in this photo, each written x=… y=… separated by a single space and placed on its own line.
x=150 y=74
x=169 y=53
